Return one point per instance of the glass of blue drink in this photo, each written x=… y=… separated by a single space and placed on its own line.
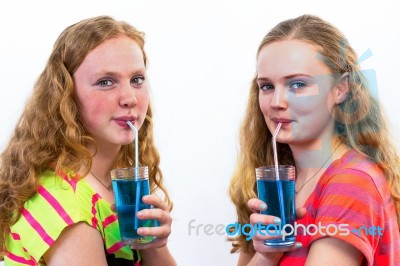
x=129 y=186
x=278 y=194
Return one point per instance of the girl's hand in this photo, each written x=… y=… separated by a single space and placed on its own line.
x=160 y=213
x=270 y=254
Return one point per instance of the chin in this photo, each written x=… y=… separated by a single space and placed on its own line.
x=122 y=141
x=285 y=138
x=284 y=141
x=127 y=142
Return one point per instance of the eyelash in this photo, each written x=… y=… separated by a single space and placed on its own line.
x=297 y=83
x=138 y=77
x=262 y=87
x=101 y=82
x=110 y=82
x=293 y=85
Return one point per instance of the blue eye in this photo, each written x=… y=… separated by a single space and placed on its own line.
x=138 y=80
x=105 y=82
x=266 y=87
x=297 y=84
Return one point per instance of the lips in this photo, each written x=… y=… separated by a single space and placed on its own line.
x=122 y=120
x=282 y=120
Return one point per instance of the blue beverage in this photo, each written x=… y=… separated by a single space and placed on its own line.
x=269 y=190
x=128 y=193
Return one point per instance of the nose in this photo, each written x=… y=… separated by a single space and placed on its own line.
x=127 y=97
x=279 y=99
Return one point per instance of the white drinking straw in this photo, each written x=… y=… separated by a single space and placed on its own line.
x=136 y=147
x=279 y=185
x=136 y=222
x=275 y=151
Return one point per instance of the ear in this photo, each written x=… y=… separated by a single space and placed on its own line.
x=342 y=88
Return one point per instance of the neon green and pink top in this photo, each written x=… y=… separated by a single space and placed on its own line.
x=63 y=200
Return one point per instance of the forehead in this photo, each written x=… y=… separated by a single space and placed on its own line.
x=119 y=54
x=119 y=46
x=282 y=58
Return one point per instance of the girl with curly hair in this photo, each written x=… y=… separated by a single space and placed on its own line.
x=55 y=193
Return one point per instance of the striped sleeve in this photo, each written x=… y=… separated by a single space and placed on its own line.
x=61 y=200
x=350 y=197
x=43 y=218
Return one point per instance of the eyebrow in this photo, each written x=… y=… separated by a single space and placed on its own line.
x=117 y=74
x=104 y=73
x=285 y=77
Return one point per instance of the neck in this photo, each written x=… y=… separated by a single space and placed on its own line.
x=314 y=155
x=103 y=161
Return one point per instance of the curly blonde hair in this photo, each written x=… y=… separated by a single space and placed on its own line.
x=359 y=119
x=50 y=133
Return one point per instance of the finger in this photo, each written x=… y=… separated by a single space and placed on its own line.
x=265 y=227
x=267 y=234
x=156 y=202
x=158 y=232
x=301 y=212
x=256 y=205
x=256 y=218
x=113 y=208
x=160 y=215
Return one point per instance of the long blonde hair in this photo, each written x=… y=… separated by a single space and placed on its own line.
x=359 y=120
x=50 y=133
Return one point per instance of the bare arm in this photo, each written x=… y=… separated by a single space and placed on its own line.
x=78 y=244
x=332 y=251
x=157 y=256
x=244 y=259
x=257 y=259
x=326 y=251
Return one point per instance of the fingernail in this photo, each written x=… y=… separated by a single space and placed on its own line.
x=139 y=214
x=277 y=220
x=145 y=197
x=140 y=231
x=263 y=206
x=299 y=245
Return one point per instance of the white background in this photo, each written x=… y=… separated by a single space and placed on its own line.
x=202 y=58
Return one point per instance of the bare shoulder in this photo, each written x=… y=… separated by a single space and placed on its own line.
x=78 y=244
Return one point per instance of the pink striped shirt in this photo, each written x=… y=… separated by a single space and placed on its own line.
x=353 y=192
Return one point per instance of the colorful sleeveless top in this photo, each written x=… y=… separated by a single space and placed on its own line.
x=62 y=200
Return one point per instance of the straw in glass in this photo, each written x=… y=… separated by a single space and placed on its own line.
x=278 y=183
x=136 y=223
x=275 y=151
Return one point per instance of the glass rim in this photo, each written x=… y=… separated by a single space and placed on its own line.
x=285 y=172
x=130 y=167
x=130 y=173
x=281 y=166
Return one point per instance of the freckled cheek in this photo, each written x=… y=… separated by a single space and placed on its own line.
x=265 y=105
x=94 y=109
x=143 y=104
x=101 y=105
